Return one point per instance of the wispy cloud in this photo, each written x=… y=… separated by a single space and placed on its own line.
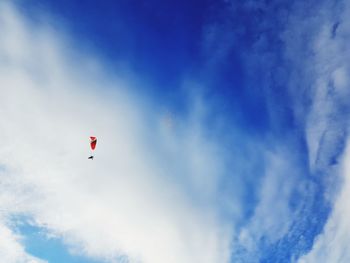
x=331 y=245
x=168 y=187
x=295 y=66
x=11 y=249
x=150 y=192
x=327 y=124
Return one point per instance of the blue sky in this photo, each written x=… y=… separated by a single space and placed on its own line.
x=222 y=131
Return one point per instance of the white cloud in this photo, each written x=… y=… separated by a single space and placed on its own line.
x=316 y=53
x=11 y=250
x=326 y=125
x=273 y=215
x=319 y=83
x=142 y=196
x=332 y=245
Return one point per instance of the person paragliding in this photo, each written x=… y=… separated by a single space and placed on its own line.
x=93 y=141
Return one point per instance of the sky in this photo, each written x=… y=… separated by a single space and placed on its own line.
x=222 y=131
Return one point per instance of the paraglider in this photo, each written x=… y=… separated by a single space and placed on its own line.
x=93 y=141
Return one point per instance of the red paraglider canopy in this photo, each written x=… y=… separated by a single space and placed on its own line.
x=93 y=142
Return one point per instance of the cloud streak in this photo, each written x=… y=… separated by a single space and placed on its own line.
x=295 y=68
x=260 y=185
x=327 y=123
x=142 y=197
